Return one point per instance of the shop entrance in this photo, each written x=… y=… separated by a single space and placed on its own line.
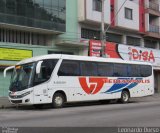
x=157 y=81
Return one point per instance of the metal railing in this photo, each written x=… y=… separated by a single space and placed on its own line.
x=154 y=28
x=154 y=6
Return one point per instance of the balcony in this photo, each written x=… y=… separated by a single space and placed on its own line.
x=153 y=31
x=154 y=6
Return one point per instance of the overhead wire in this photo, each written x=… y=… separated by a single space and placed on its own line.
x=115 y=16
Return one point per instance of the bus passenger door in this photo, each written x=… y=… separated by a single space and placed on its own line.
x=40 y=88
x=42 y=79
x=41 y=93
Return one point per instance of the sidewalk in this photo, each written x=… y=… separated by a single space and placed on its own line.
x=155 y=97
x=4 y=102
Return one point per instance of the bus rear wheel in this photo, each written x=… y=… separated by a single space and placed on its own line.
x=125 y=97
x=58 y=100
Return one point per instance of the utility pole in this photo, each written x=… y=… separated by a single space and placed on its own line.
x=103 y=38
x=103 y=31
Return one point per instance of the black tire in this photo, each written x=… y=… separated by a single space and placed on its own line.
x=125 y=97
x=58 y=100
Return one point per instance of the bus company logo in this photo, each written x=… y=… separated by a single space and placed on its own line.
x=140 y=55
x=92 y=85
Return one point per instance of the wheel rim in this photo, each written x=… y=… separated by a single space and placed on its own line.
x=125 y=97
x=58 y=101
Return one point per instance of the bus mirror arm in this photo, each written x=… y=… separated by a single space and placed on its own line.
x=38 y=68
x=8 y=68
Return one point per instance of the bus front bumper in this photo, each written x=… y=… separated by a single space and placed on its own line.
x=23 y=100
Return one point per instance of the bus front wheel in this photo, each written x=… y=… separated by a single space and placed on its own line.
x=125 y=97
x=58 y=100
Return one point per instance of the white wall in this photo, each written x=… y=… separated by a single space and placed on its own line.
x=90 y=14
x=147 y=22
x=121 y=21
x=81 y=10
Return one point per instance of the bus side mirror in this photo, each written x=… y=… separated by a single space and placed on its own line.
x=8 y=68
x=38 y=68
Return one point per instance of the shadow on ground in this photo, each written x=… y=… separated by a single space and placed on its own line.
x=70 y=105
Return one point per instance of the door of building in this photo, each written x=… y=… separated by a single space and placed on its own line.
x=157 y=81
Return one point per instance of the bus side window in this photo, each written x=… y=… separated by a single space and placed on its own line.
x=146 y=71
x=134 y=71
x=88 y=68
x=69 y=68
x=120 y=70
x=105 y=69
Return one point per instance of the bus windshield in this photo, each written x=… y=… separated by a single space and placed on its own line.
x=22 y=77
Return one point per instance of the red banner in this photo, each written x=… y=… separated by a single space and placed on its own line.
x=95 y=48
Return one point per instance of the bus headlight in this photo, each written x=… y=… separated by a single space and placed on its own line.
x=20 y=96
x=27 y=93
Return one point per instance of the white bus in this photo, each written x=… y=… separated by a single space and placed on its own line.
x=60 y=79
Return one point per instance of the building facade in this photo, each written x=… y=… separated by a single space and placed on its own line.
x=37 y=27
x=133 y=23
x=136 y=23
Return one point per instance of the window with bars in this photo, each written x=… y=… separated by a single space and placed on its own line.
x=90 y=34
x=94 y=34
x=150 y=44
x=13 y=36
x=111 y=37
x=133 y=41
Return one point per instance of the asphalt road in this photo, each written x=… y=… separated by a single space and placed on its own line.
x=134 y=114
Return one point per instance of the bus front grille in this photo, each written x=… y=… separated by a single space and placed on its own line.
x=16 y=101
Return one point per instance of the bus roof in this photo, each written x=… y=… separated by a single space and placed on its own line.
x=77 y=57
